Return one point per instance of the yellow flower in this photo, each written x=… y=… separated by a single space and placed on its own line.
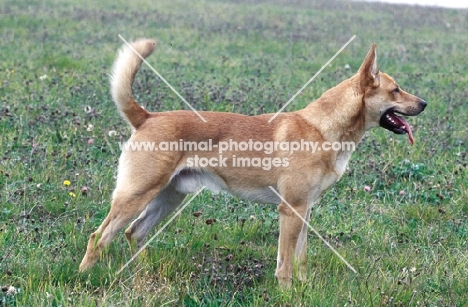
x=66 y=182
x=72 y=194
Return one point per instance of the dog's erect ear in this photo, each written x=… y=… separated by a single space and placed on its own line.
x=369 y=72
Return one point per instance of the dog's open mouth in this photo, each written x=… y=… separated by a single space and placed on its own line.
x=396 y=124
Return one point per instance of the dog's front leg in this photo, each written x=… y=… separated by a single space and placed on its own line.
x=301 y=248
x=292 y=241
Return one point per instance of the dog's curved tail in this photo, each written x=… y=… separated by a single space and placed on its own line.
x=123 y=72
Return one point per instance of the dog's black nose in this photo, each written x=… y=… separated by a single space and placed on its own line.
x=423 y=103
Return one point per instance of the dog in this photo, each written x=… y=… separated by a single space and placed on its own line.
x=152 y=183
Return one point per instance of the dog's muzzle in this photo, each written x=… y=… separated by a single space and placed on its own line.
x=390 y=121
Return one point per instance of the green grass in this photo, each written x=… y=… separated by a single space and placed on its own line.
x=248 y=57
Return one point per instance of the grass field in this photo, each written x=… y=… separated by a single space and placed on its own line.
x=406 y=236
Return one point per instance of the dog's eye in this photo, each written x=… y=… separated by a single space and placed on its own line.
x=396 y=90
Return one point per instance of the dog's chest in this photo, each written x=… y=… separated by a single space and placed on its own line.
x=341 y=162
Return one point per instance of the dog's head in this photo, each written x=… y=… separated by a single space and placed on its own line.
x=383 y=98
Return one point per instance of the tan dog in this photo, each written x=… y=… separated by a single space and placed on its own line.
x=153 y=183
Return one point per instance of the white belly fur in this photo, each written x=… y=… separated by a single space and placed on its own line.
x=189 y=181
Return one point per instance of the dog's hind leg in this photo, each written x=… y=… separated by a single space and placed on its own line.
x=137 y=184
x=123 y=210
x=158 y=209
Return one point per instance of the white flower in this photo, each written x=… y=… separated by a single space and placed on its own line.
x=112 y=133
x=11 y=290
x=43 y=77
x=90 y=127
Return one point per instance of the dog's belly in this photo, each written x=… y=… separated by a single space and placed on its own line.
x=189 y=181
x=260 y=195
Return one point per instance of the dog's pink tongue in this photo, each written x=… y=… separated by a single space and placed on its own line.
x=408 y=129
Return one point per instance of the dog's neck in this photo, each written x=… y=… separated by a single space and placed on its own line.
x=342 y=113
